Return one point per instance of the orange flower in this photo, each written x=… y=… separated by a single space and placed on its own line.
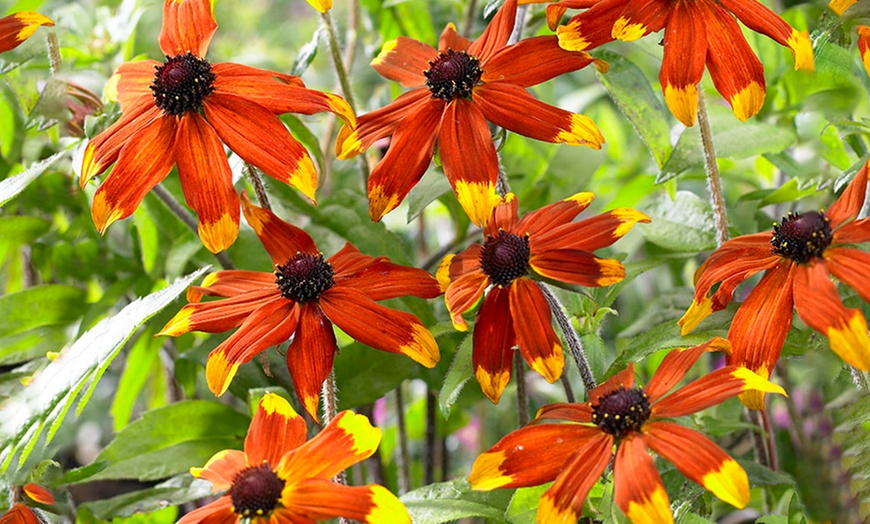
x=20 y=513
x=18 y=27
x=304 y=296
x=281 y=478
x=864 y=46
x=458 y=89
x=181 y=113
x=798 y=257
x=515 y=311
x=698 y=33
x=632 y=418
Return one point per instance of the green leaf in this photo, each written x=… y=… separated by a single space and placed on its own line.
x=365 y=374
x=524 y=504
x=52 y=391
x=175 y=491
x=306 y=54
x=459 y=373
x=39 y=306
x=172 y=439
x=683 y=224
x=633 y=95
x=731 y=138
x=763 y=476
x=10 y=187
x=429 y=189
x=137 y=369
x=22 y=229
x=446 y=501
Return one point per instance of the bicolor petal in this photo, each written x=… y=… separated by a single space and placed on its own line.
x=37 y=493
x=321 y=499
x=378 y=124
x=712 y=389
x=638 y=488
x=219 y=315
x=684 y=57
x=404 y=60
x=864 y=46
x=677 y=363
x=532 y=61
x=592 y=27
x=18 y=27
x=568 y=411
x=382 y=280
x=275 y=429
x=464 y=293
x=493 y=341
x=450 y=39
x=591 y=233
x=576 y=266
x=642 y=17
x=538 y=222
x=310 y=355
x=759 y=18
x=533 y=326
x=563 y=501
x=222 y=468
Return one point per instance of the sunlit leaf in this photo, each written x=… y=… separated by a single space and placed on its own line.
x=682 y=224
x=447 y=501
x=13 y=185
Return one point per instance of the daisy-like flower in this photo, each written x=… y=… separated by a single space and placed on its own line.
x=281 y=478
x=20 y=513
x=301 y=299
x=544 y=243
x=632 y=418
x=798 y=258
x=183 y=111
x=18 y=27
x=698 y=33
x=458 y=88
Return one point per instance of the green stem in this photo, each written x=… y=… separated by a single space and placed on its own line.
x=54 y=58
x=575 y=345
x=714 y=182
x=522 y=395
x=330 y=410
x=259 y=188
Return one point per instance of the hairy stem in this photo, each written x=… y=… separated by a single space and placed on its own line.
x=259 y=188
x=575 y=346
x=522 y=396
x=54 y=58
x=330 y=410
x=189 y=220
x=714 y=182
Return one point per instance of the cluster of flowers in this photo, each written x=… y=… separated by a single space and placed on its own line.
x=184 y=111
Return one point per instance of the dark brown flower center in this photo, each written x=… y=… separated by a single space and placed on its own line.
x=802 y=237
x=182 y=83
x=505 y=257
x=256 y=491
x=304 y=277
x=452 y=75
x=622 y=411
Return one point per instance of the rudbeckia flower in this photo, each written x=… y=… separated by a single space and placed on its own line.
x=183 y=111
x=19 y=513
x=798 y=258
x=864 y=46
x=543 y=244
x=698 y=33
x=281 y=478
x=18 y=27
x=458 y=89
x=302 y=298
x=632 y=418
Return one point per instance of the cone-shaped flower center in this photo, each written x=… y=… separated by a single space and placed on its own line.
x=622 y=411
x=452 y=75
x=505 y=257
x=802 y=237
x=304 y=277
x=182 y=83
x=256 y=491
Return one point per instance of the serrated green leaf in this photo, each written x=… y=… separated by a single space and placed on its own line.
x=683 y=224
x=633 y=95
x=50 y=393
x=446 y=501
x=459 y=373
x=39 y=306
x=13 y=185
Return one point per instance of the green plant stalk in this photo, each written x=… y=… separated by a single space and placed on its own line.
x=714 y=182
x=575 y=345
x=330 y=410
x=259 y=188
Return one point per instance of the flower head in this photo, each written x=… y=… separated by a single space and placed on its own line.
x=20 y=513
x=301 y=299
x=18 y=27
x=544 y=243
x=632 y=418
x=458 y=89
x=698 y=34
x=798 y=258
x=280 y=477
x=182 y=112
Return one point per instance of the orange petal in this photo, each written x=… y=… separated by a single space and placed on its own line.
x=219 y=315
x=624 y=379
x=222 y=468
x=347 y=439
x=513 y=108
x=188 y=27
x=269 y=325
x=19 y=514
x=322 y=500
x=850 y=202
x=310 y=355
x=18 y=27
x=642 y=17
x=403 y=60
x=736 y=72
x=378 y=326
x=256 y=135
x=450 y=39
x=701 y=460
x=530 y=456
x=563 y=501
x=207 y=182
x=864 y=46
x=589 y=234
x=504 y=217
x=376 y=125
x=283 y=241
x=712 y=389
x=553 y=215
x=685 y=36
x=759 y=18
x=575 y=266
x=677 y=363
x=463 y=293
x=532 y=61
x=466 y=262
x=497 y=33
x=534 y=329
x=218 y=512
x=275 y=430
x=407 y=158
x=134 y=80
x=142 y=164
x=592 y=27
x=820 y=307
x=638 y=488
x=570 y=411
x=382 y=280
x=850 y=266
x=38 y=494
x=494 y=338
x=229 y=283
